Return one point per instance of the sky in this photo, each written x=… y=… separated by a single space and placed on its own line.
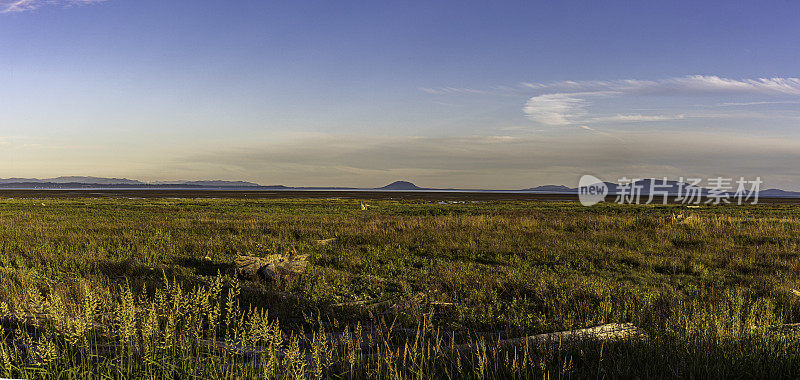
x=462 y=94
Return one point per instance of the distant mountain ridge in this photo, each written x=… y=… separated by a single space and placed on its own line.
x=552 y=188
x=75 y=179
x=672 y=188
x=400 y=185
x=214 y=183
x=644 y=186
x=100 y=181
x=779 y=193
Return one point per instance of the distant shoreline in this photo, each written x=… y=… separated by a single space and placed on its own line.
x=363 y=194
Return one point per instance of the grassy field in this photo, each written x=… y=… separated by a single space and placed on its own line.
x=147 y=289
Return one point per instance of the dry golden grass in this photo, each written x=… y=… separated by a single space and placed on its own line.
x=146 y=288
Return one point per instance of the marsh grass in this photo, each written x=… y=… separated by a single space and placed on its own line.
x=146 y=289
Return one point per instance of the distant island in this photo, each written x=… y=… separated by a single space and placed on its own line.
x=400 y=185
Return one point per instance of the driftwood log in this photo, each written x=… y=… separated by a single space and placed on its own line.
x=608 y=332
x=325 y=241
x=269 y=267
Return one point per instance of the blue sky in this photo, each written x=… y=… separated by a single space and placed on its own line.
x=451 y=94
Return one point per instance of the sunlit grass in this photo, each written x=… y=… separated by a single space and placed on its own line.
x=147 y=288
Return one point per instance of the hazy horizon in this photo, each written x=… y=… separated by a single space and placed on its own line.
x=361 y=94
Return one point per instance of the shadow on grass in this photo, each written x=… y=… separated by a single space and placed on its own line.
x=202 y=267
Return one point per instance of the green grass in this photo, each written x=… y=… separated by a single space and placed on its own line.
x=697 y=280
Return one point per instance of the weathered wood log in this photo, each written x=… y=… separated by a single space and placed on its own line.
x=608 y=332
x=268 y=268
x=247 y=267
x=325 y=241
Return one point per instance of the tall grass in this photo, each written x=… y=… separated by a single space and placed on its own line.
x=146 y=289
x=204 y=331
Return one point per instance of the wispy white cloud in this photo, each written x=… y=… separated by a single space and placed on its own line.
x=566 y=102
x=569 y=102
x=633 y=118
x=688 y=85
x=555 y=109
x=16 y=6
x=588 y=128
x=739 y=104
x=452 y=90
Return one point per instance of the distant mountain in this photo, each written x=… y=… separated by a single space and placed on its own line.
x=400 y=185
x=657 y=186
x=94 y=180
x=19 y=180
x=91 y=182
x=644 y=186
x=552 y=189
x=215 y=183
x=223 y=183
x=75 y=179
x=778 y=193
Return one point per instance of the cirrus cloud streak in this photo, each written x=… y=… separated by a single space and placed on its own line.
x=16 y=6
x=566 y=102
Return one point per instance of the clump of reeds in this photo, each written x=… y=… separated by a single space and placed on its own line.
x=174 y=331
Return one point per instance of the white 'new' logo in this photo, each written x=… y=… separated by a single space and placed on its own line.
x=591 y=190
